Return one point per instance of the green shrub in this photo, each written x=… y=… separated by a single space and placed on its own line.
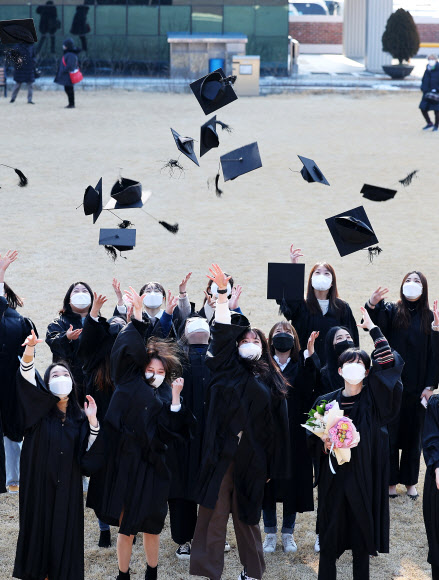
x=401 y=38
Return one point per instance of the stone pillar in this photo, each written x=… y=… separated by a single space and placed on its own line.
x=377 y=13
x=354 y=28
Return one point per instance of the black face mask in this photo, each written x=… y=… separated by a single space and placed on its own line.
x=283 y=342
x=340 y=347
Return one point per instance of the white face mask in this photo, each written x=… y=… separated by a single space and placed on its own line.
x=153 y=299
x=199 y=325
x=80 y=300
x=61 y=386
x=214 y=290
x=321 y=282
x=250 y=350
x=156 y=381
x=412 y=290
x=353 y=373
x=431 y=63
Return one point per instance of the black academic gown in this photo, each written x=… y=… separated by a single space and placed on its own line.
x=185 y=456
x=430 y=445
x=353 y=510
x=127 y=464
x=305 y=322
x=296 y=493
x=239 y=401
x=51 y=537
x=14 y=329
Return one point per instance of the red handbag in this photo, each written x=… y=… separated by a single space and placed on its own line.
x=75 y=76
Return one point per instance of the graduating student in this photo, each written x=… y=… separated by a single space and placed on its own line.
x=57 y=432
x=64 y=333
x=300 y=368
x=130 y=478
x=338 y=339
x=321 y=309
x=407 y=325
x=14 y=328
x=245 y=442
x=353 y=509
x=211 y=296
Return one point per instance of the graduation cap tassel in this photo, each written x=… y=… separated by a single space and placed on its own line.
x=111 y=251
x=374 y=251
x=173 y=229
x=125 y=224
x=218 y=191
x=409 y=178
x=23 y=179
x=224 y=126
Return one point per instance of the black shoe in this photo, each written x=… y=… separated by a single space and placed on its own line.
x=435 y=128
x=183 y=552
x=124 y=575
x=428 y=126
x=30 y=103
x=151 y=573
x=70 y=107
x=105 y=539
x=12 y=101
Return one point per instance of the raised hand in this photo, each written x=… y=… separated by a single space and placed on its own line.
x=171 y=303
x=177 y=387
x=311 y=340
x=90 y=409
x=98 y=302
x=234 y=300
x=295 y=254
x=378 y=295
x=117 y=291
x=218 y=276
x=32 y=339
x=7 y=259
x=183 y=283
x=436 y=316
x=210 y=299
x=73 y=334
x=367 y=322
x=135 y=299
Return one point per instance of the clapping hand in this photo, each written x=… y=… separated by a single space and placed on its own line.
x=295 y=254
x=98 y=302
x=311 y=341
x=236 y=294
x=91 y=409
x=73 y=334
x=32 y=340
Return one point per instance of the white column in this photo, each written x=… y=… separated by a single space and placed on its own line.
x=377 y=13
x=354 y=28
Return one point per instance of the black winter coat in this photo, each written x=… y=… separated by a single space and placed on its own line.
x=430 y=445
x=239 y=401
x=79 y=22
x=430 y=81
x=14 y=329
x=63 y=76
x=25 y=73
x=48 y=19
x=127 y=463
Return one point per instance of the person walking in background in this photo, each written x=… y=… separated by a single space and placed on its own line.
x=24 y=70
x=49 y=24
x=68 y=63
x=430 y=84
x=80 y=26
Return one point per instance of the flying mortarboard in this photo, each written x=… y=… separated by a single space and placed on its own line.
x=93 y=200
x=14 y=31
x=240 y=161
x=285 y=281
x=127 y=194
x=310 y=172
x=214 y=91
x=352 y=231
x=208 y=135
x=376 y=193
x=117 y=239
x=186 y=146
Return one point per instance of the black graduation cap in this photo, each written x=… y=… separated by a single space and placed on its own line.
x=214 y=91
x=240 y=161
x=376 y=193
x=14 y=31
x=208 y=137
x=310 y=172
x=117 y=239
x=127 y=194
x=186 y=146
x=93 y=200
x=285 y=281
x=352 y=231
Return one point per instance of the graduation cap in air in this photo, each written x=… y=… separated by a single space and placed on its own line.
x=214 y=91
x=376 y=193
x=285 y=281
x=93 y=200
x=240 y=161
x=127 y=194
x=186 y=146
x=352 y=231
x=310 y=172
x=209 y=137
x=117 y=239
x=14 y=31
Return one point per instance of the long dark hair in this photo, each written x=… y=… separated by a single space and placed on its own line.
x=66 y=302
x=73 y=410
x=168 y=353
x=266 y=367
x=285 y=326
x=13 y=299
x=102 y=379
x=335 y=304
x=402 y=316
x=330 y=369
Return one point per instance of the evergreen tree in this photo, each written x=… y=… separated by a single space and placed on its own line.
x=401 y=38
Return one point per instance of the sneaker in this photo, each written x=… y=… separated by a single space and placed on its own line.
x=317 y=544
x=227 y=547
x=435 y=128
x=183 y=552
x=70 y=107
x=14 y=489
x=30 y=103
x=269 y=545
x=288 y=543
x=428 y=126
x=243 y=576
x=105 y=539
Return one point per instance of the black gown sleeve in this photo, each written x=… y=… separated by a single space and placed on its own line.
x=3 y=306
x=94 y=333
x=350 y=322
x=129 y=353
x=430 y=438
x=222 y=352
x=35 y=401
x=59 y=344
x=382 y=315
x=293 y=310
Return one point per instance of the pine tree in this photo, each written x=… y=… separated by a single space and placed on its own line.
x=401 y=37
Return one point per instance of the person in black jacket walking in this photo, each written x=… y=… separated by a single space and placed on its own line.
x=49 y=24
x=68 y=63
x=80 y=26
x=24 y=70
x=430 y=84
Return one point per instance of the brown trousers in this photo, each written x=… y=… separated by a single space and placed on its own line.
x=207 y=551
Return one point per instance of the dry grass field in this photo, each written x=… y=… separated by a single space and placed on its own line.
x=355 y=139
